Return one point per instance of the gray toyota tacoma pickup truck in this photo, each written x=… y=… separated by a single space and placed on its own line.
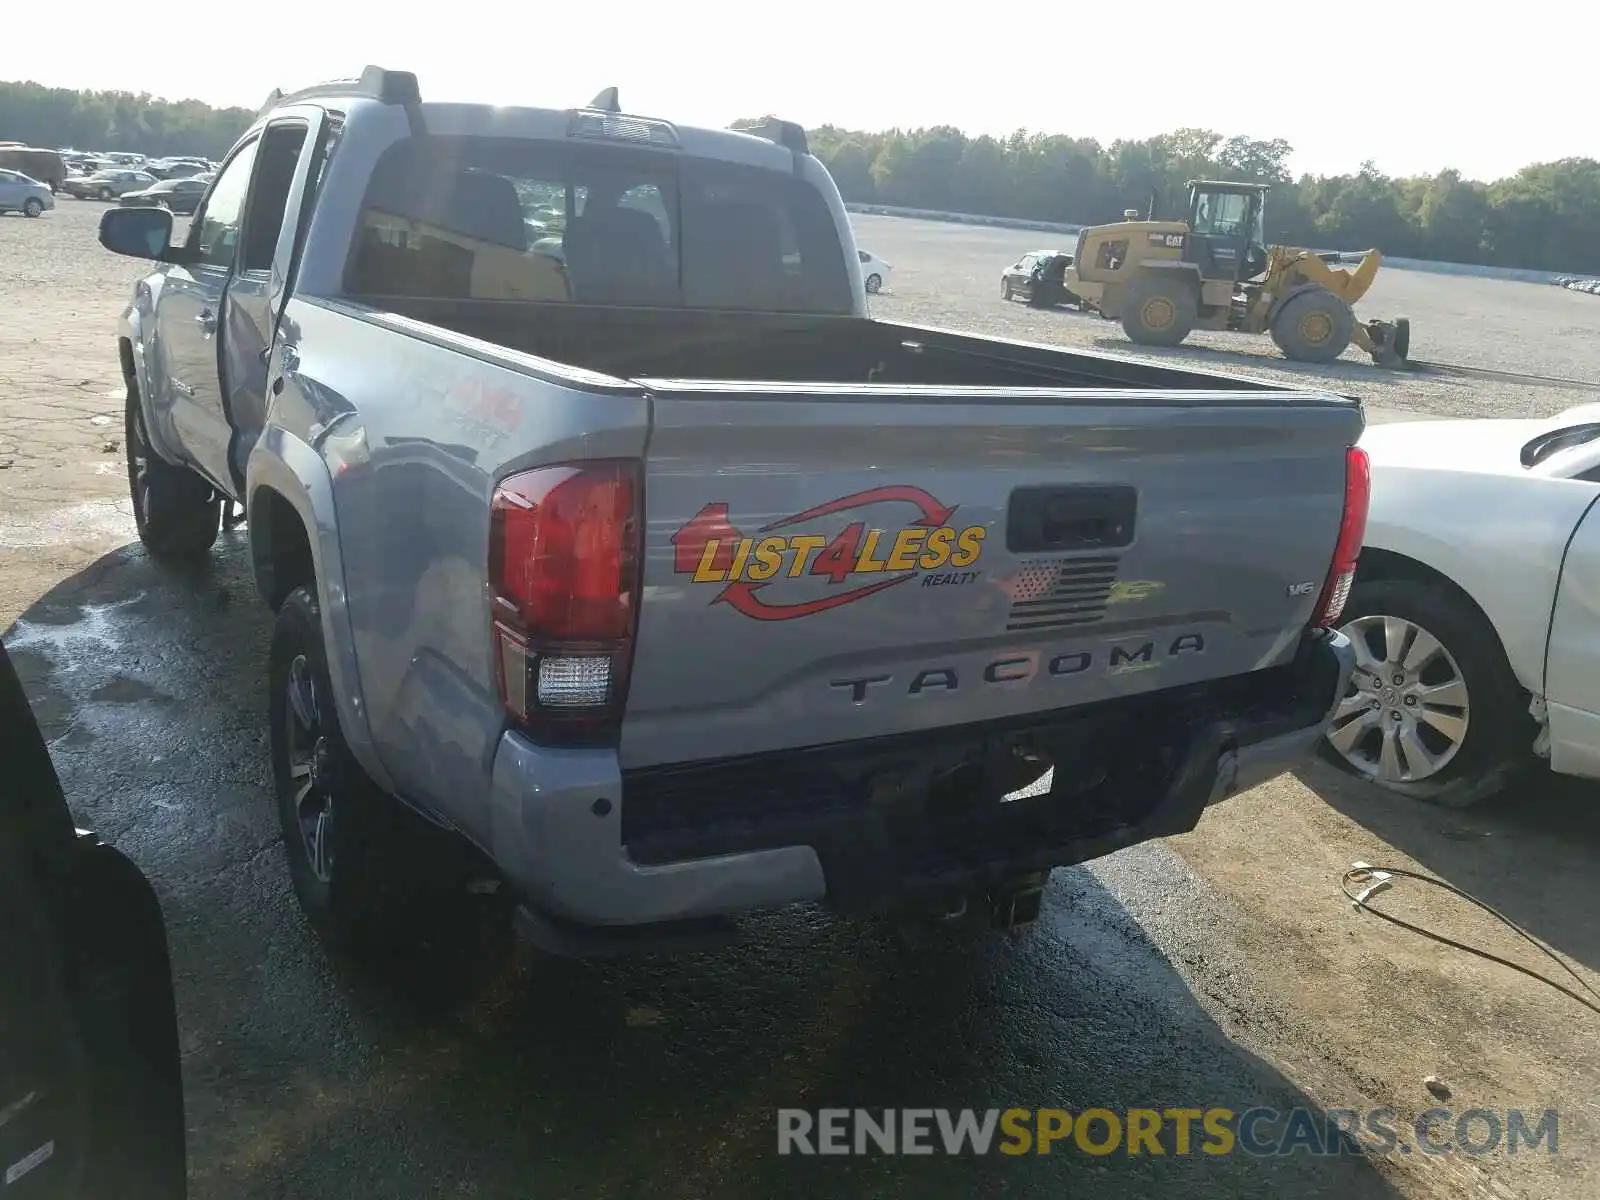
x=606 y=531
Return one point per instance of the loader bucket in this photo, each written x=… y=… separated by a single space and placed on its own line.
x=1361 y=278
x=1349 y=286
x=1388 y=342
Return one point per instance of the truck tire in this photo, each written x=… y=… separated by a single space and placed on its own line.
x=1159 y=311
x=341 y=833
x=1313 y=327
x=176 y=512
x=1478 y=733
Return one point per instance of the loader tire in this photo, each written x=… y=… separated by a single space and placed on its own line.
x=1314 y=327
x=1159 y=312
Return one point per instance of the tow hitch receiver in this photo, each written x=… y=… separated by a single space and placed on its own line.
x=1016 y=902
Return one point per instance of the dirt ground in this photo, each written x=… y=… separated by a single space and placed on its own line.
x=1353 y=1011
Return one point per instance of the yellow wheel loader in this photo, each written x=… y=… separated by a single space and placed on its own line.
x=1162 y=279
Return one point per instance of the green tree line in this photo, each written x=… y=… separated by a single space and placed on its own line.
x=1545 y=217
x=140 y=124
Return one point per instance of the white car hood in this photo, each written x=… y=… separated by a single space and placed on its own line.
x=1491 y=446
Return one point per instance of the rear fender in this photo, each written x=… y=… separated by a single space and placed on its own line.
x=283 y=463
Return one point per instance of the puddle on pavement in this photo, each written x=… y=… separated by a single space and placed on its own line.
x=120 y=689
x=90 y=521
x=83 y=637
x=62 y=655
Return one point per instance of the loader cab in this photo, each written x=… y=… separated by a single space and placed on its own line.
x=1226 y=224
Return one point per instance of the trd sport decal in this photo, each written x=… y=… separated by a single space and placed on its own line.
x=711 y=550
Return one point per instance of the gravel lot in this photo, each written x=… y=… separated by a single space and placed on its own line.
x=950 y=275
x=1220 y=968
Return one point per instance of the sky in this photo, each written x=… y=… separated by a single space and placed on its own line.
x=1426 y=85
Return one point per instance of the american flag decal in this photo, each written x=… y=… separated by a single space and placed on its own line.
x=1057 y=593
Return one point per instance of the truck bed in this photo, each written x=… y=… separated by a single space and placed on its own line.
x=632 y=343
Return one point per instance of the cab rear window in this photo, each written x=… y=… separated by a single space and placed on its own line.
x=499 y=219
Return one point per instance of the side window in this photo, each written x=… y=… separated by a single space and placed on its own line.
x=269 y=194
x=761 y=240
x=513 y=219
x=459 y=219
x=1220 y=215
x=648 y=198
x=216 y=233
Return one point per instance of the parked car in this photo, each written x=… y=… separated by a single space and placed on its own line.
x=179 y=195
x=108 y=184
x=19 y=193
x=874 y=271
x=176 y=169
x=1038 y=277
x=1475 y=614
x=45 y=166
x=520 y=590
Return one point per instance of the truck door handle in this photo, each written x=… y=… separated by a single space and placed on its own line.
x=207 y=322
x=1057 y=518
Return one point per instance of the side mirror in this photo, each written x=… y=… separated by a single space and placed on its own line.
x=137 y=232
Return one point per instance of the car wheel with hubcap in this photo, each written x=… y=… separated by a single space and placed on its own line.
x=1434 y=711
x=338 y=827
x=32 y=206
x=1005 y=289
x=371 y=876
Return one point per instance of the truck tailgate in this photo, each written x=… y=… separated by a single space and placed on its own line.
x=835 y=564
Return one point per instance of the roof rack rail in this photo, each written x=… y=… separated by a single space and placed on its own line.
x=789 y=134
x=376 y=83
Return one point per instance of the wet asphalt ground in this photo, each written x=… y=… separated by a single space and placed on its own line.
x=476 y=1068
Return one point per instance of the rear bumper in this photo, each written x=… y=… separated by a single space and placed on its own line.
x=865 y=825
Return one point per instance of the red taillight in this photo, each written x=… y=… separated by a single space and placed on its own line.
x=1352 y=531
x=564 y=560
